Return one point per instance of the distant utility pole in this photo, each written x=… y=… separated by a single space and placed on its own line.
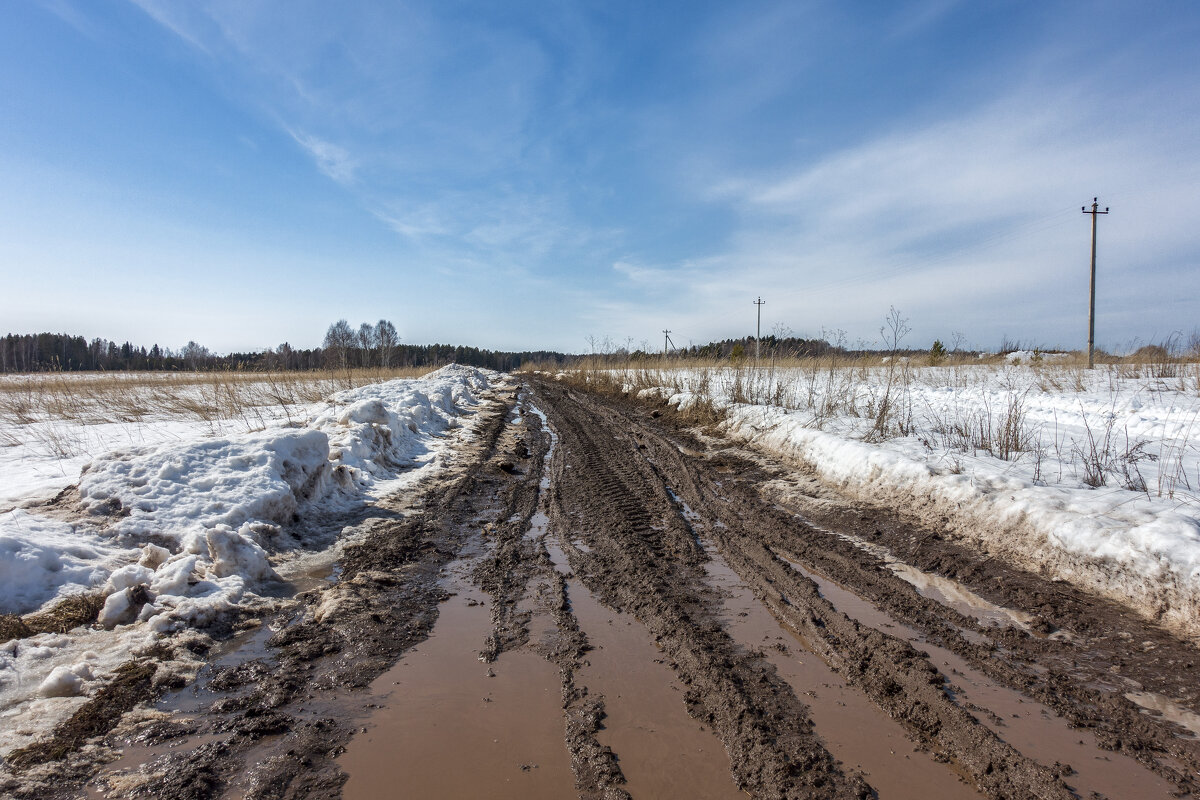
x=758 y=328
x=666 y=341
x=1095 y=212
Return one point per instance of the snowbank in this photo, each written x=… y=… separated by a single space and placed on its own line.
x=177 y=534
x=204 y=517
x=41 y=558
x=167 y=489
x=1142 y=556
x=1100 y=489
x=1034 y=357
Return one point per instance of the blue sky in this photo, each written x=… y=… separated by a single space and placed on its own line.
x=531 y=175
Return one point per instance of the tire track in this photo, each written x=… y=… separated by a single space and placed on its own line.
x=767 y=730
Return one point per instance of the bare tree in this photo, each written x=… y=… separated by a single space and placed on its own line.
x=366 y=342
x=894 y=329
x=195 y=354
x=287 y=355
x=339 y=340
x=386 y=338
x=890 y=406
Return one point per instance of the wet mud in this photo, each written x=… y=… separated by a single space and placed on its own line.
x=605 y=601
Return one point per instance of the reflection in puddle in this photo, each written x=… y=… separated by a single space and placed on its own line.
x=545 y=483
x=953 y=594
x=1027 y=725
x=853 y=728
x=1167 y=709
x=943 y=590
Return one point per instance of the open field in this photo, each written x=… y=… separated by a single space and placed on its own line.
x=609 y=583
x=51 y=424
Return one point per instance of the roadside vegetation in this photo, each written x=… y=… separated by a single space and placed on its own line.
x=53 y=411
x=1130 y=423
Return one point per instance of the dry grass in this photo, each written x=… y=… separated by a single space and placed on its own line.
x=879 y=393
x=249 y=399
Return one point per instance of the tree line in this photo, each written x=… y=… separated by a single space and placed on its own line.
x=369 y=345
x=375 y=345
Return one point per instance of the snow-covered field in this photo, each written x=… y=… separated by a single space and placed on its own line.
x=183 y=508
x=1086 y=476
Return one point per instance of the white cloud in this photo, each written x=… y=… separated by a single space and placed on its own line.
x=333 y=160
x=971 y=222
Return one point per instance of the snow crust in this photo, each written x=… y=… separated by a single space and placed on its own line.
x=174 y=534
x=41 y=558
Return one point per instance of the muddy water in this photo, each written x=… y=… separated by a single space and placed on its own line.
x=126 y=773
x=855 y=730
x=1027 y=725
x=1168 y=709
x=941 y=589
x=452 y=726
x=182 y=707
x=662 y=751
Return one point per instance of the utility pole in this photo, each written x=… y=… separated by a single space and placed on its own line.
x=1095 y=212
x=758 y=328
x=666 y=341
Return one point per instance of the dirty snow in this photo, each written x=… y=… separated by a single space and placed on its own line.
x=177 y=532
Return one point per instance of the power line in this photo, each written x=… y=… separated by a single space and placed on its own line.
x=1095 y=212
x=758 y=328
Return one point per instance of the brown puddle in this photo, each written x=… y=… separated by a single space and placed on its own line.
x=1027 y=725
x=1163 y=706
x=128 y=771
x=854 y=729
x=447 y=729
x=662 y=751
x=938 y=588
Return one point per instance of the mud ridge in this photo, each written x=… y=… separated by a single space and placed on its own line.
x=507 y=573
x=644 y=559
x=1098 y=650
x=1099 y=644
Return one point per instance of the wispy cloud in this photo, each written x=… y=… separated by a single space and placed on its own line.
x=72 y=16
x=976 y=212
x=183 y=20
x=333 y=160
x=546 y=143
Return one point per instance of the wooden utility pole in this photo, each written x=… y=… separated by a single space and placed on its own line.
x=1095 y=212
x=666 y=341
x=758 y=328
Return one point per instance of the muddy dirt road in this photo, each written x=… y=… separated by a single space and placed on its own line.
x=605 y=602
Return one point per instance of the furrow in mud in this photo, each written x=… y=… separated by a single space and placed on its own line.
x=514 y=564
x=724 y=497
x=643 y=560
x=1080 y=657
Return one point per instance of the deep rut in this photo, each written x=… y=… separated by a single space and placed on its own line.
x=644 y=506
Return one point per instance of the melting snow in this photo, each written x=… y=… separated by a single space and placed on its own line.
x=178 y=533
